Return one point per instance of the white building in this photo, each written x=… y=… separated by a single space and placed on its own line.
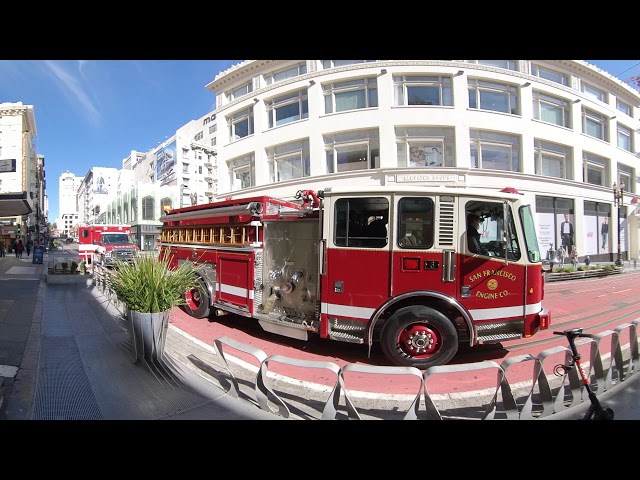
x=21 y=173
x=97 y=189
x=68 y=185
x=559 y=131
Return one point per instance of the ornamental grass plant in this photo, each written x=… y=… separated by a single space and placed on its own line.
x=149 y=285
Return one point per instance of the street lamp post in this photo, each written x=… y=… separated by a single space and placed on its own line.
x=618 y=200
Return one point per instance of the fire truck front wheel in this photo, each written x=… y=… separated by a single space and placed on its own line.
x=419 y=336
x=197 y=302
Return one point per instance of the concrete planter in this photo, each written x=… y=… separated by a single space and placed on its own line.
x=77 y=279
x=555 y=277
x=148 y=335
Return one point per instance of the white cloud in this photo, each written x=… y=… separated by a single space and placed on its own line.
x=74 y=90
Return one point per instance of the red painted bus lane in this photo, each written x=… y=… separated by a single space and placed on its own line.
x=596 y=304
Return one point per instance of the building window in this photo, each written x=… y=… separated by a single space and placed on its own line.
x=288 y=72
x=595 y=169
x=494 y=97
x=213 y=128
x=199 y=136
x=547 y=108
x=422 y=90
x=199 y=169
x=185 y=168
x=287 y=108
x=494 y=151
x=594 y=124
x=350 y=95
x=624 y=138
x=625 y=174
x=241 y=124
x=549 y=74
x=623 y=107
x=348 y=151
x=552 y=160
x=508 y=64
x=148 y=208
x=288 y=161
x=240 y=91
x=242 y=172
x=594 y=92
x=341 y=63
x=213 y=142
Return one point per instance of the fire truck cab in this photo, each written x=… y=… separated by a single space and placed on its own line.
x=369 y=264
x=104 y=244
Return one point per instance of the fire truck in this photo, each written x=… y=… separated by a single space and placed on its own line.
x=368 y=265
x=106 y=243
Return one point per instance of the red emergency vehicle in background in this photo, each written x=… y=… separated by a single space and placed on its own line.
x=103 y=244
x=369 y=264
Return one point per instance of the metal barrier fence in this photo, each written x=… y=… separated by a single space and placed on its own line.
x=610 y=362
x=541 y=400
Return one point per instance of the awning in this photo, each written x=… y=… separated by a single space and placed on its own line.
x=14 y=204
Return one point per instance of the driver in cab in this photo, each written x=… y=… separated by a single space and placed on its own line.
x=473 y=235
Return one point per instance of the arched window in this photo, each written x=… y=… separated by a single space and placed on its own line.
x=166 y=204
x=148 y=209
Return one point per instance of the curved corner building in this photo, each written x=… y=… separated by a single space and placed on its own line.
x=562 y=132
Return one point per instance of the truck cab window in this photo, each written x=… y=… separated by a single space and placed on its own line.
x=494 y=239
x=415 y=222
x=361 y=222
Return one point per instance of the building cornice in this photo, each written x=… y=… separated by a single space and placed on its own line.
x=26 y=111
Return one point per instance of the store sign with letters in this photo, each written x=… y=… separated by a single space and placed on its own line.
x=426 y=177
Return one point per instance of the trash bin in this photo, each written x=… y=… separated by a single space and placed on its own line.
x=38 y=254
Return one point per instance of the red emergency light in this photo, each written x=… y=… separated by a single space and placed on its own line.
x=411 y=263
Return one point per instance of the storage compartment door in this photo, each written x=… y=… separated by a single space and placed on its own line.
x=235 y=279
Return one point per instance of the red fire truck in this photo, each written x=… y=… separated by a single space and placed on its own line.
x=368 y=264
x=103 y=244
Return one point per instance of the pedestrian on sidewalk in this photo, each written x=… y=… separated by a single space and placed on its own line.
x=3 y=250
x=574 y=257
x=29 y=245
x=19 y=248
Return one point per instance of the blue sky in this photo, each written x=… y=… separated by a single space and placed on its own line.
x=94 y=112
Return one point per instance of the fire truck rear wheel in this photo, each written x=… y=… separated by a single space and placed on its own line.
x=198 y=302
x=419 y=336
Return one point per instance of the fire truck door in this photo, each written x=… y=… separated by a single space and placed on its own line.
x=234 y=272
x=422 y=256
x=493 y=277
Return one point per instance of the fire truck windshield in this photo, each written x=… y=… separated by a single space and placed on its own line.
x=115 y=238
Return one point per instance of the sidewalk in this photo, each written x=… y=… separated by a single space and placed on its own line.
x=65 y=354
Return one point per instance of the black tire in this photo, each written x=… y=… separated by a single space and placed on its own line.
x=419 y=336
x=198 y=302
